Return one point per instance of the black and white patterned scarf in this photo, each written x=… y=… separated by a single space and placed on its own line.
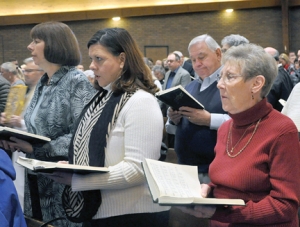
x=88 y=148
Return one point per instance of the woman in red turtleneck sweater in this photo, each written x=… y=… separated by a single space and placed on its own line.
x=257 y=151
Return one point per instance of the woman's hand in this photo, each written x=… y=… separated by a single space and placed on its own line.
x=196 y=116
x=15 y=121
x=3 y=118
x=16 y=145
x=205 y=211
x=174 y=115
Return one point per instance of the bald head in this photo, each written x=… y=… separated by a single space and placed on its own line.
x=273 y=52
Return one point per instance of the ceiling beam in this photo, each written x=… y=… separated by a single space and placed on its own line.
x=139 y=11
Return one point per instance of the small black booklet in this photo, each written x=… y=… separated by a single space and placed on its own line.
x=6 y=133
x=177 y=97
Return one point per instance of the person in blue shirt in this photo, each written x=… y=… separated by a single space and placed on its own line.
x=11 y=213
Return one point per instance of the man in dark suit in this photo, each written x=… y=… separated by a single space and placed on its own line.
x=282 y=85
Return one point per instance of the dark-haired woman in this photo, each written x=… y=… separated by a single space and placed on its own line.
x=58 y=100
x=126 y=120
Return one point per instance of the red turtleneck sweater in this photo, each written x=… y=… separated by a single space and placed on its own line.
x=266 y=174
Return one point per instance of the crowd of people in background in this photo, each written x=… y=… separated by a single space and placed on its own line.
x=107 y=115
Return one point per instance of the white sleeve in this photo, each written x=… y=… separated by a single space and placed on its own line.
x=137 y=135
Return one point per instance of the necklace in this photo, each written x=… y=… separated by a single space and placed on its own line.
x=229 y=153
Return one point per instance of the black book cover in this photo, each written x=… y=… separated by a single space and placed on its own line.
x=177 y=97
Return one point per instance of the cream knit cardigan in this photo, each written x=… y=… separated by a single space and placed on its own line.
x=137 y=135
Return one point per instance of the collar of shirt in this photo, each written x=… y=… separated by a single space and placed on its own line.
x=209 y=80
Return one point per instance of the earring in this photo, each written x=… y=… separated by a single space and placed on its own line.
x=252 y=95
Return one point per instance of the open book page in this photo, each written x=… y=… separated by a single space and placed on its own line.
x=43 y=166
x=174 y=182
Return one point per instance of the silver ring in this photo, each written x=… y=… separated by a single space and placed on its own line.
x=189 y=118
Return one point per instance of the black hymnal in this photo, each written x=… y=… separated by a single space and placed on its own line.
x=177 y=97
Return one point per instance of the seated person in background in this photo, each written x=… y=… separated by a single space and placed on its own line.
x=159 y=72
x=232 y=40
x=12 y=73
x=10 y=210
x=292 y=106
x=90 y=75
x=282 y=85
x=126 y=103
x=80 y=67
x=257 y=151
x=4 y=90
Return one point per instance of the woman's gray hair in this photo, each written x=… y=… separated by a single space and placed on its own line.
x=253 y=61
x=10 y=67
x=210 y=42
x=234 y=40
x=159 y=68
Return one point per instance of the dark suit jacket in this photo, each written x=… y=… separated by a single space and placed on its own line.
x=281 y=89
x=4 y=89
x=187 y=65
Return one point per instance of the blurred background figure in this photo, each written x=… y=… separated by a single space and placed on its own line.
x=12 y=73
x=90 y=75
x=80 y=67
x=232 y=40
x=4 y=90
x=150 y=66
x=158 y=62
x=186 y=63
x=159 y=72
x=14 y=61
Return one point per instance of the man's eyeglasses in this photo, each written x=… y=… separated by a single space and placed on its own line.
x=227 y=78
x=31 y=70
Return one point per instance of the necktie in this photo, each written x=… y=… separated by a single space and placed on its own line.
x=170 y=79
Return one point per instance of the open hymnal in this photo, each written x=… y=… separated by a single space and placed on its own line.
x=49 y=167
x=177 y=97
x=6 y=133
x=176 y=184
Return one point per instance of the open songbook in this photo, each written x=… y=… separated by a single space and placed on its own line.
x=175 y=184
x=177 y=97
x=6 y=133
x=49 y=167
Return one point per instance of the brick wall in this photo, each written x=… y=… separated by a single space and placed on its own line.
x=261 y=26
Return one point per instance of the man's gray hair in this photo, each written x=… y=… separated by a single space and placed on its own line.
x=234 y=40
x=210 y=42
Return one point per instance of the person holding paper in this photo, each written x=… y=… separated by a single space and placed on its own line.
x=196 y=130
x=257 y=151
x=57 y=102
x=118 y=129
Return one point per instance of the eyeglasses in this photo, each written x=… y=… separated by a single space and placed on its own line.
x=31 y=70
x=227 y=78
x=170 y=61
